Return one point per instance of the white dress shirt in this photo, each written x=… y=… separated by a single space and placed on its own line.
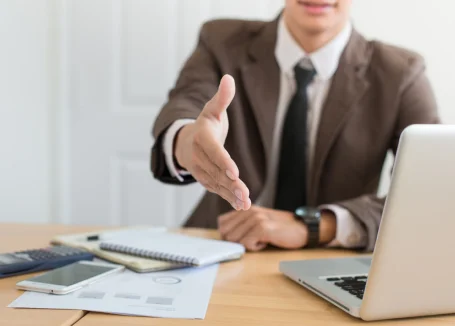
x=349 y=233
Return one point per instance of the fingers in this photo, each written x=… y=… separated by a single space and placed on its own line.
x=216 y=153
x=230 y=221
x=237 y=233
x=253 y=240
x=225 y=217
x=220 y=179
x=252 y=228
x=209 y=183
x=223 y=97
x=259 y=235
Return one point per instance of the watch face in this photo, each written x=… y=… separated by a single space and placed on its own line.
x=307 y=211
x=300 y=211
x=309 y=215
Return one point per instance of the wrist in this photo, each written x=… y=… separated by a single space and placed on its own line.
x=303 y=234
x=327 y=227
x=178 y=146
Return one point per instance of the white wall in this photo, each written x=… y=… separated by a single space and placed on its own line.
x=26 y=97
x=31 y=72
x=424 y=26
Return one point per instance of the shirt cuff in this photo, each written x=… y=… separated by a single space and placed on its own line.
x=168 y=148
x=349 y=233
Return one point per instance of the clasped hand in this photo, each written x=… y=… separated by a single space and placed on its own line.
x=258 y=227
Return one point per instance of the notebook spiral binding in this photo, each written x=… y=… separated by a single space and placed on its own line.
x=150 y=254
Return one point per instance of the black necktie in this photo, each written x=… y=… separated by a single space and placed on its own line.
x=291 y=177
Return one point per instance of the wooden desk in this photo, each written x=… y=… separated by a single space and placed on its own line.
x=14 y=237
x=250 y=291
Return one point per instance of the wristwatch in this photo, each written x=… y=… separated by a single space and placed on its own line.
x=311 y=217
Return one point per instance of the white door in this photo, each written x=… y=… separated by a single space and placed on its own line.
x=119 y=60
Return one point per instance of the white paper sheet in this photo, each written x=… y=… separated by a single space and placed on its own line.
x=181 y=293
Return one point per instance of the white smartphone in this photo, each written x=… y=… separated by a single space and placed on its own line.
x=70 y=277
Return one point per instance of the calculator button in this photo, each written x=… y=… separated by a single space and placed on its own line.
x=23 y=256
x=41 y=255
x=49 y=253
x=65 y=251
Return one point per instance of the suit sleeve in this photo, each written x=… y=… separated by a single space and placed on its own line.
x=417 y=105
x=196 y=84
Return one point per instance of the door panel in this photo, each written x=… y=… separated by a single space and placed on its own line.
x=122 y=58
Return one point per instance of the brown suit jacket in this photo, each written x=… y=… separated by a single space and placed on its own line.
x=376 y=92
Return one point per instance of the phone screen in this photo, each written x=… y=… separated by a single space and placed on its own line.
x=71 y=274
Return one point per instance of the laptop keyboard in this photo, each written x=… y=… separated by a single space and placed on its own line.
x=355 y=285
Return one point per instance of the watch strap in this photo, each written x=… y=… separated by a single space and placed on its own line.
x=311 y=217
x=313 y=235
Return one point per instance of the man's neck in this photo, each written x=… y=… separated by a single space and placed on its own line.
x=311 y=42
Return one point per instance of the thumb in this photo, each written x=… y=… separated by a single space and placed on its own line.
x=223 y=97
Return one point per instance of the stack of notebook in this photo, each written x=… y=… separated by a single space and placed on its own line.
x=153 y=249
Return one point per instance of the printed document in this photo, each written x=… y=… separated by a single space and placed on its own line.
x=180 y=293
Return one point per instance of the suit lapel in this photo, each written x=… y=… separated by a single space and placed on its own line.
x=347 y=88
x=261 y=81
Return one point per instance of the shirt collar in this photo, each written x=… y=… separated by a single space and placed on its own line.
x=325 y=61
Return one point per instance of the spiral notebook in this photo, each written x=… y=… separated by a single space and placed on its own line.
x=138 y=264
x=177 y=248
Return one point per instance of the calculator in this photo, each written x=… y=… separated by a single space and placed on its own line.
x=29 y=261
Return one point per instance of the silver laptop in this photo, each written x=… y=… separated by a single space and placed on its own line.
x=412 y=270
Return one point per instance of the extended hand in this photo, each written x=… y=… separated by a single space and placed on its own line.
x=200 y=149
x=260 y=226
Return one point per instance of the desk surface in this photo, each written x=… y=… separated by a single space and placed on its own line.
x=250 y=291
x=14 y=237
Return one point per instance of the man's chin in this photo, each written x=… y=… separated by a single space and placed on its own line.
x=315 y=29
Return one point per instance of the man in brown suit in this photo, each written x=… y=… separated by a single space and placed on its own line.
x=295 y=135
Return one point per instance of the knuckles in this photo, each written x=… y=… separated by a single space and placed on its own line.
x=260 y=217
